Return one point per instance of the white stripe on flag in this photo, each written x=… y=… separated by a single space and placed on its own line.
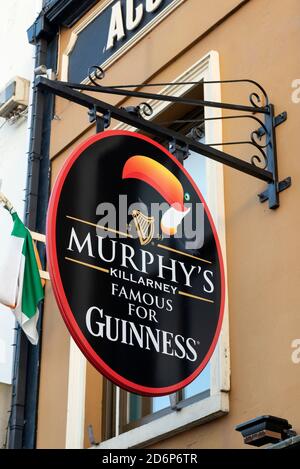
x=10 y=270
x=28 y=324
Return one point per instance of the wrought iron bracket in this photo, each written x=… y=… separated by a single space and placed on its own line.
x=141 y=110
x=262 y=166
x=179 y=151
x=282 y=117
x=281 y=186
x=274 y=187
x=102 y=122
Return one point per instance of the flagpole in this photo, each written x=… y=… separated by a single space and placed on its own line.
x=35 y=236
x=6 y=203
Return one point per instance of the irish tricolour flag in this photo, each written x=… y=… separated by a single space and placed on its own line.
x=20 y=284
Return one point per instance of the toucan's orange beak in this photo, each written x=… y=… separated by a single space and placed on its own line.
x=165 y=183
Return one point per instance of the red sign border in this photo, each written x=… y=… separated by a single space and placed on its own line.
x=59 y=292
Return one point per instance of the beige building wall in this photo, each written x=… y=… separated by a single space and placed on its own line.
x=259 y=40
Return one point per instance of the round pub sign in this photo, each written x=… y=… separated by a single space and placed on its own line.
x=135 y=263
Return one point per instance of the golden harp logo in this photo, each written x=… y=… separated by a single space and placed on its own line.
x=144 y=227
x=167 y=185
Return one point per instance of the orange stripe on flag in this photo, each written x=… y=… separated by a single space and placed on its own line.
x=38 y=261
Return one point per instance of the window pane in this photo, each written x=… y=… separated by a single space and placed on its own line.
x=135 y=404
x=200 y=384
x=159 y=403
x=195 y=164
x=135 y=407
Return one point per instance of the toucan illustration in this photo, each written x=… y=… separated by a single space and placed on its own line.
x=165 y=183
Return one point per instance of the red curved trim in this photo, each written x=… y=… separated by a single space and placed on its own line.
x=59 y=292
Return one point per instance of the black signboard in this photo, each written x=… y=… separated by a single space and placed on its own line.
x=105 y=35
x=135 y=263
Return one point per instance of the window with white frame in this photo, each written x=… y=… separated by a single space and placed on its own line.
x=130 y=420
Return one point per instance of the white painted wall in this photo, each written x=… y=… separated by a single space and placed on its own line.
x=16 y=58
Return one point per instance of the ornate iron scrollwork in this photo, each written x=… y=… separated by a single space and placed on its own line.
x=141 y=110
x=261 y=160
x=96 y=73
x=262 y=165
x=255 y=100
x=145 y=109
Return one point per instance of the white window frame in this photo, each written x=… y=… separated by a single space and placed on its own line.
x=217 y=404
x=76 y=398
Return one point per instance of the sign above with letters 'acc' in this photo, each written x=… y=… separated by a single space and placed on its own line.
x=118 y=25
x=135 y=263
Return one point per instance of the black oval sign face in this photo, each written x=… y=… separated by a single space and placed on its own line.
x=135 y=263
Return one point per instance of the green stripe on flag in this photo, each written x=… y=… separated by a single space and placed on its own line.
x=32 y=291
